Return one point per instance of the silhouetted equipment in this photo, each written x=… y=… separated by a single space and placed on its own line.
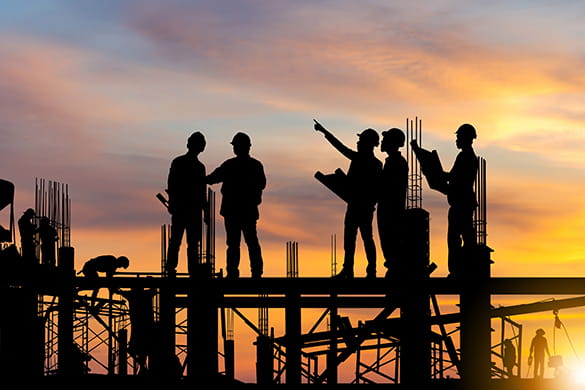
x=555 y=359
x=7 y=198
x=336 y=182
x=432 y=168
x=163 y=200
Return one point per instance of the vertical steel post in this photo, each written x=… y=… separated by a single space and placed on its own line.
x=202 y=335
x=65 y=309
x=293 y=337
x=123 y=352
x=332 y=353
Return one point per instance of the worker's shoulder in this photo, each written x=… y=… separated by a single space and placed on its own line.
x=256 y=162
x=103 y=258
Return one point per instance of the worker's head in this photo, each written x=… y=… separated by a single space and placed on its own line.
x=196 y=142
x=241 y=144
x=392 y=139
x=368 y=139
x=540 y=332
x=123 y=262
x=466 y=133
x=29 y=213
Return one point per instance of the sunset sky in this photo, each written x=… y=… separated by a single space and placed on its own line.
x=102 y=95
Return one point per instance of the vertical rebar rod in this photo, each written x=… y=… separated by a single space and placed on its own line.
x=414 y=189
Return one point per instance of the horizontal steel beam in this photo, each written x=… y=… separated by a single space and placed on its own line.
x=49 y=283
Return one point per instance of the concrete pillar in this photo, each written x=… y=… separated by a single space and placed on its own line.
x=66 y=287
x=475 y=318
x=264 y=360
x=202 y=330
x=414 y=300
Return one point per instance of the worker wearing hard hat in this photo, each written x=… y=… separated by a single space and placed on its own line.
x=243 y=181
x=392 y=200
x=363 y=178
x=461 y=198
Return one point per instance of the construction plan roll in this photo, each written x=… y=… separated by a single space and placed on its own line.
x=336 y=182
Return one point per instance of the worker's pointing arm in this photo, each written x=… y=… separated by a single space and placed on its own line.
x=337 y=144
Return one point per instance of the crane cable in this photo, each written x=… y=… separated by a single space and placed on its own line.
x=558 y=325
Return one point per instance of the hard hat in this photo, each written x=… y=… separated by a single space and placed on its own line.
x=241 y=139
x=29 y=211
x=395 y=134
x=370 y=136
x=467 y=130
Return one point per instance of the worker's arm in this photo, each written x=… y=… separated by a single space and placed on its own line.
x=216 y=176
x=337 y=144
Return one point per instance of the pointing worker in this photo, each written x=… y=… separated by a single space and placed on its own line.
x=363 y=176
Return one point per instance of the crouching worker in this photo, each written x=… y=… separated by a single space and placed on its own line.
x=107 y=264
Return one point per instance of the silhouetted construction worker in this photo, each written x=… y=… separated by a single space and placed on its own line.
x=243 y=180
x=107 y=264
x=48 y=236
x=187 y=203
x=461 y=198
x=392 y=199
x=538 y=348
x=509 y=357
x=363 y=178
x=28 y=231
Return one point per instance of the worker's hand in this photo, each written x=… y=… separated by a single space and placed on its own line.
x=414 y=144
x=319 y=127
x=529 y=360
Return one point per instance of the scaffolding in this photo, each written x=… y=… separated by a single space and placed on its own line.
x=80 y=335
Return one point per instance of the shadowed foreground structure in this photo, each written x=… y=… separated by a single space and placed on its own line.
x=176 y=330
x=24 y=360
